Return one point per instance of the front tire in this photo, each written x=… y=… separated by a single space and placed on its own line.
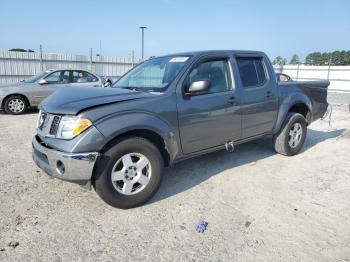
x=290 y=139
x=129 y=173
x=16 y=105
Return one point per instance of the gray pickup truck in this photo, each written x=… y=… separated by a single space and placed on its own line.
x=165 y=110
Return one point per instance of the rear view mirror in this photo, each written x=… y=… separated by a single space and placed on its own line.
x=198 y=87
x=42 y=82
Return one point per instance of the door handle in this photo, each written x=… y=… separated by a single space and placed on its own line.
x=269 y=94
x=232 y=100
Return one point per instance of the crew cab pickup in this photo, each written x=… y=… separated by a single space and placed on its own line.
x=167 y=109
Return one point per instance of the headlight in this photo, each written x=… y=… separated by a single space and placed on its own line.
x=38 y=122
x=71 y=126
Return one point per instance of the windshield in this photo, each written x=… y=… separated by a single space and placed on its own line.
x=153 y=75
x=35 y=77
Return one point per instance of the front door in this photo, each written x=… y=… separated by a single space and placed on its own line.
x=54 y=81
x=210 y=119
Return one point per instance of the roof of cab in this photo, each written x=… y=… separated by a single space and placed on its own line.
x=214 y=52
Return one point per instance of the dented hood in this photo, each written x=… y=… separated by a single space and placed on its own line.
x=71 y=101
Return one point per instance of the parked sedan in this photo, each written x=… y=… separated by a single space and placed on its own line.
x=18 y=97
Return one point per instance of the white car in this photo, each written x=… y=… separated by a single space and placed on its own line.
x=18 y=97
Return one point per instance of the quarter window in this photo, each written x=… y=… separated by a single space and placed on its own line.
x=252 y=71
x=217 y=71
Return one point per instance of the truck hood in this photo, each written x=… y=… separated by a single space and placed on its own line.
x=71 y=101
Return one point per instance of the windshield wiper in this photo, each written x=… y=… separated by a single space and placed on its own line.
x=142 y=89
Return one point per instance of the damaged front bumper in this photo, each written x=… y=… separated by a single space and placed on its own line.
x=72 y=167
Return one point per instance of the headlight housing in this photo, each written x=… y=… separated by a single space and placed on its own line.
x=38 y=121
x=71 y=126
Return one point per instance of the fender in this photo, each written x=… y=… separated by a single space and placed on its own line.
x=116 y=125
x=287 y=103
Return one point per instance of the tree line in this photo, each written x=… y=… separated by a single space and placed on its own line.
x=340 y=58
x=21 y=50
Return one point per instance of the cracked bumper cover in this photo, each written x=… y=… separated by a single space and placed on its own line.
x=76 y=168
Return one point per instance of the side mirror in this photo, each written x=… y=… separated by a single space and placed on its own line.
x=283 y=77
x=198 y=87
x=42 y=82
x=107 y=82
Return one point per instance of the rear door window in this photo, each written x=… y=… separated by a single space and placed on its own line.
x=83 y=77
x=251 y=71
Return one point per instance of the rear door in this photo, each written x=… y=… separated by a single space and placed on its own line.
x=80 y=78
x=259 y=98
x=211 y=119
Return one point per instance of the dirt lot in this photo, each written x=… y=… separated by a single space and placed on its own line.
x=260 y=206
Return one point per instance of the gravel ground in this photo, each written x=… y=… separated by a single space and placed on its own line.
x=260 y=206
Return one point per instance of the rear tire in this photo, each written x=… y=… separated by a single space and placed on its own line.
x=290 y=139
x=132 y=160
x=16 y=105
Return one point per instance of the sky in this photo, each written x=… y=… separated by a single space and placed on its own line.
x=283 y=27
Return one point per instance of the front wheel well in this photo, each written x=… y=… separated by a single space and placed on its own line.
x=302 y=109
x=151 y=136
x=15 y=94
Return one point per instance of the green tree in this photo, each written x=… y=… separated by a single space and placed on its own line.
x=20 y=50
x=295 y=60
x=336 y=58
x=339 y=58
x=326 y=58
x=347 y=58
x=17 y=50
x=314 y=58
x=279 y=61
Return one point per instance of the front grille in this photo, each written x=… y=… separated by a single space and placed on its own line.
x=54 y=125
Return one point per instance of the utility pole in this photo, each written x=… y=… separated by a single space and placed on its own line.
x=132 y=58
x=41 y=58
x=143 y=39
x=329 y=65
x=91 y=59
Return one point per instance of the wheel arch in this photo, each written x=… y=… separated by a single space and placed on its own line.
x=14 y=94
x=152 y=136
x=297 y=103
x=148 y=134
x=302 y=109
